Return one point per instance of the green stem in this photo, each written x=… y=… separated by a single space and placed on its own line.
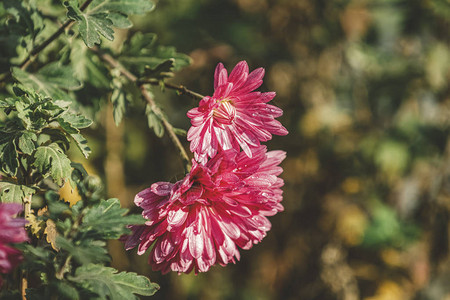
x=179 y=88
x=146 y=96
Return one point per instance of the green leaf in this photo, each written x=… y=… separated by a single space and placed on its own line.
x=77 y=121
x=51 y=160
x=91 y=26
x=119 y=102
x=58 y=136
x=26 y=142
x=71 y=123
x=107 y=220
x=109 y=284
x=10 y=161
x=81 y=143
x=179 y=131
x=22 y=113
x=52 y=80
x=141 y=52
x=102 y=15
x=120 y=20
x=13 y=193
x=86 y=65
x=161 y=71
x=154 y=121
x=85 y=251
x=123 y=6
x=20 y=24
x=63 y=290
x=60 y=75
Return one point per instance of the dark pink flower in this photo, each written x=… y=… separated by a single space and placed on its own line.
x=203 y=219
x=235 y=116
x=12 y=231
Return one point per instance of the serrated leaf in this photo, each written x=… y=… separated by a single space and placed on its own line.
x=26 y=142
x=123 y=6
x=101 y=15
x=58 y=136
x=51 y=160
x=51 y=234
x=66 y=126
x=154 y=121
x=5 y=139
x=85 y=251
x=107 y=220
x=22 y=113
x=71 y=124
x=9 y=159
x=81 y=143
x=34 y=225
x=52 y=80
x=109 y=284
x=91 y=26
x=13 y=193
x=120 y=20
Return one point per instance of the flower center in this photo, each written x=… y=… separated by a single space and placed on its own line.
x=225 y=112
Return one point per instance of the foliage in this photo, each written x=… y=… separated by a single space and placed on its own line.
x=50 y=82
x=364 y=88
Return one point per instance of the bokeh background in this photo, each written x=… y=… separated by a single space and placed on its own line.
x=365 y=90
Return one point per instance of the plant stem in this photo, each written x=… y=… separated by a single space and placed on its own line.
x=24 y=285
x=27 y=206
x=146 y=96
x=179 y=88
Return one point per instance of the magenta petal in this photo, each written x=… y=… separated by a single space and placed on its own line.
x=239 y=74
x=217 y=75
x=235 y=116
x=219 y=206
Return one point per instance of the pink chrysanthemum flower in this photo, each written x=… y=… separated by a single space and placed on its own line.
x=203 y=219
x=235 y=116
x=11 y=231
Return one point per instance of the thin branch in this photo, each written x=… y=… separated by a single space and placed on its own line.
x=146 y=96
x=179 y=88
x=36 y=50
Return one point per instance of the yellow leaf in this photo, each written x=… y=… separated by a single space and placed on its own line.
x=51 y=233
x=68 y=194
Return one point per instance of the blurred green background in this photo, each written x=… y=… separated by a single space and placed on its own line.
x=365 y=90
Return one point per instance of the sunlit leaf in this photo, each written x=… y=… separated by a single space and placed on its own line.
x=101 y=15
x=51 y=160
x=13 y=193
x=107 y=220
x=109 y=284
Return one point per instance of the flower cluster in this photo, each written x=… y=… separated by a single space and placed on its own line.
x=11 y=231
x=224 y=201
